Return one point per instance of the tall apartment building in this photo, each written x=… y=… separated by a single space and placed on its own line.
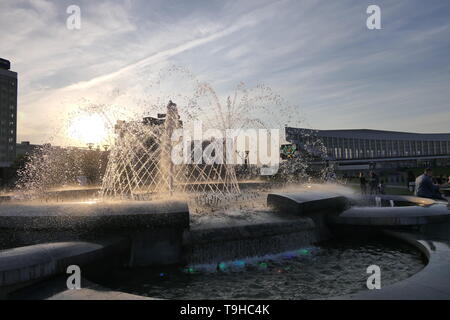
x=8 y=114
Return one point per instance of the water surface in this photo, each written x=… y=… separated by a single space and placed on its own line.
x=331 y=269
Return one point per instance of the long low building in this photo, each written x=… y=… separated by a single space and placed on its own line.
x=365 y=148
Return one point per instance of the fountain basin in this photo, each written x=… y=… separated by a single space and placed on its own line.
x=154 y=228
x=431 y=283
x=319 y=271
x=92 y=215
x=157 y=233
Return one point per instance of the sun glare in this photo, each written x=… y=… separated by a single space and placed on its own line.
x=88 y=129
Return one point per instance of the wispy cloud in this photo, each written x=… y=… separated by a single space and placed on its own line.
x=317 y=54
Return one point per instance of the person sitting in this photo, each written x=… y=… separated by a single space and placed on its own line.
x=447 y=184
x=425 y=187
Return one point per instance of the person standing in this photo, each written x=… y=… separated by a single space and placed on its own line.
x=381 y=187
x=373 y=182
x=363 y=183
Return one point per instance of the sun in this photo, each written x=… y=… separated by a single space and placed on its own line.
x=88 y=129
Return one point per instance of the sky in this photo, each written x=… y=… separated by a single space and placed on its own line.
x=318 y=55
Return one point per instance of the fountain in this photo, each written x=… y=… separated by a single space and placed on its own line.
x=150 y=212
x=140 y=163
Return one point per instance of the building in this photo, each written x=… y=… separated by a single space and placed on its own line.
x=26 y=148
x=8 y=114
x=361 y=149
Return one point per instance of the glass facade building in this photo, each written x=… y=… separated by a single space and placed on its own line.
x=362 y=145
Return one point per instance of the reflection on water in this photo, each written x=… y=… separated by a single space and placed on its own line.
x=334 y=268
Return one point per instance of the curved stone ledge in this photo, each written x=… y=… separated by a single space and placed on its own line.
x=21 y=266
x=92 y=215
x=431 y=283
x=392 y=216
x=398 y=200
x=56 y=289
x=306 y=203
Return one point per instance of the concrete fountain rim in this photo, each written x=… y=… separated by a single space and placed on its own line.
x=425 y=284
x=93 y=215
x=90 y=207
